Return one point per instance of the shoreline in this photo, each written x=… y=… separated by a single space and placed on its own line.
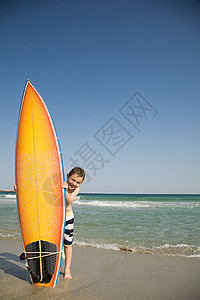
x=104 y=274
x=115 y=248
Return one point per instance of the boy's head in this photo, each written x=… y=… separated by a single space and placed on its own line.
x=78 y=171
x=75 y=177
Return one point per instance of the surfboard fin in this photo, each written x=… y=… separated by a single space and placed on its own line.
x=22 y=256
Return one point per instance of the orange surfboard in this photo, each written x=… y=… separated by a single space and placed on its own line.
x=40 y=199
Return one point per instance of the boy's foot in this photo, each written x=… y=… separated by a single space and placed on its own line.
x=68 y=276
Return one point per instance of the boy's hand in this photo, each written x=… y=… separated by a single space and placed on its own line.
x=15 y=187
x=64 y=185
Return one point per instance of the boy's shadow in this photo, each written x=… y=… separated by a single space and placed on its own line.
x=13 y=268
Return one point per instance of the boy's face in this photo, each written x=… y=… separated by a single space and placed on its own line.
x=74 y=181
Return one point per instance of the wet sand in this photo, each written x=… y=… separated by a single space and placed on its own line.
x=104 y=274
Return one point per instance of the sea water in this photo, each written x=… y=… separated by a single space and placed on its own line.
x=153 y=224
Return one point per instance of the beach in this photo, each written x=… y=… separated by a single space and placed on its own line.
x=104 y=274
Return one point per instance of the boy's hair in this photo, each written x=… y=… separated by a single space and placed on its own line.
x=79 y=171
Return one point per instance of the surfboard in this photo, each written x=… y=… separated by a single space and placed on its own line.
x=41 y=203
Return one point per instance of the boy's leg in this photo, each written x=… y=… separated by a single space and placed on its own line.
x=68 y=259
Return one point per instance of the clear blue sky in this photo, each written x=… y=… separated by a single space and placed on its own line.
x=88 y=59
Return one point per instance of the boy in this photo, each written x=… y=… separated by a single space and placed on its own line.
x=74 y=178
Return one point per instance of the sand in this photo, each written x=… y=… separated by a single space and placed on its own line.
x=104 y=274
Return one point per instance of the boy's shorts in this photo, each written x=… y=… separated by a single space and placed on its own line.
x=69 y=229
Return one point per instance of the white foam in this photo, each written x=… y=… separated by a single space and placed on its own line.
x=136 y=204
x=192 y=256
x=182 y=250
x=97 y=245
x=10 y=196
x=9 y=235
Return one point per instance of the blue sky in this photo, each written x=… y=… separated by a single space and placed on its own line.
x=88 y=60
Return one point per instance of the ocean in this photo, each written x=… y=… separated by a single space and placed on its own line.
x=152 y=224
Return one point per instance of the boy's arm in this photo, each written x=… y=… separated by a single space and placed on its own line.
x=70 y=197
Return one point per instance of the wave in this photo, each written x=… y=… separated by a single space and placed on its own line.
x=97 y=245
x=10 y=196
x=182 y=250
x=136 y=204
x=142 y=197
x=12 y=236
